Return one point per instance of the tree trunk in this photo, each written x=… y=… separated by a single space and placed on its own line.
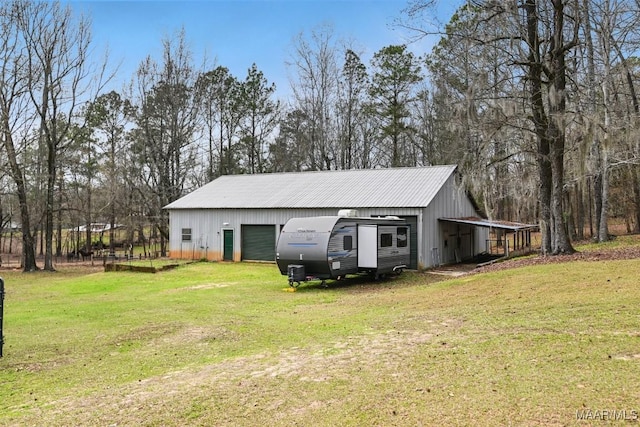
x=51 y=181
x=142 y=239
x=545 y=197
x=59 y=222
x=603 y=229
x=597 y=202
x=59 y=239
x=580 y=216
x=571 y=221
x=560 y=243
x=163 y=242
x=28 y=241
x=636 y=194
x=540 y=123
x=556 y=130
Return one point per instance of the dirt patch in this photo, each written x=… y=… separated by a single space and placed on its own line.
x=318 y=364
x=324 y=363
x=148 y=332
x=628 y=357
x=454 y=270
x=206 y=286
x=200 y=287
x=197 y=336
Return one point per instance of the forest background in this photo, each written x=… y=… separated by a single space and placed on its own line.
x=534 y=100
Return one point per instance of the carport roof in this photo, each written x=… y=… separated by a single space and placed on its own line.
x=501 y=225
x=354 y=188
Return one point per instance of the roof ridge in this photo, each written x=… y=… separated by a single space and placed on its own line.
x=337 y=171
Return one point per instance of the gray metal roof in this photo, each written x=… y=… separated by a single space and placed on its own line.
x=354 y=188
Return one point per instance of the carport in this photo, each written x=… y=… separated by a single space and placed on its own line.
x=510 y=238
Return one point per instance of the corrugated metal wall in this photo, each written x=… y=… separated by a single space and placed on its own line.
x=207 y=225
x=450 y=202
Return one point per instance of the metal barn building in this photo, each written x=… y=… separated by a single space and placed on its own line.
x=239 y=217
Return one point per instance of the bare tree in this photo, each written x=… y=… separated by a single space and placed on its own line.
x=45 y=53
x=167 y=120
x=16 y=117
x=615 y=30
x=107 y=119
x=514 y=46
x=57 y=47
x=315 y=63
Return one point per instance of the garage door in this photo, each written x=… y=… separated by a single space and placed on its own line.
x=259 y=242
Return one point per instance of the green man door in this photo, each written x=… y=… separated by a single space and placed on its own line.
x=227 y=254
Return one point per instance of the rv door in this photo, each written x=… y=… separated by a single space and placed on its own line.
x=367 y=246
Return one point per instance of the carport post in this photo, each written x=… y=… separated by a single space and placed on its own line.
x=1 y=311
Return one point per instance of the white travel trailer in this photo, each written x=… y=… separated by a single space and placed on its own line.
x=330 y=247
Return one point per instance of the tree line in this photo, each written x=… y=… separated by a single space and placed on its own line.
x=534 y=100
x=546 y=111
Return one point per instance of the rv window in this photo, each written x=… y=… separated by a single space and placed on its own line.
x=386 y=240
x=402 y=237
x=347 y=243
x=186 y=234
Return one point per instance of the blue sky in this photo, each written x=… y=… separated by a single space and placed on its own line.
x=237 y=33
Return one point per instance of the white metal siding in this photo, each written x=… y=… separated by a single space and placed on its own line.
x=450 y=202
x=207 y=224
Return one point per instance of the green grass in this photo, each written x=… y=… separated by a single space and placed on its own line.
x=615 y=243
x=222 y=344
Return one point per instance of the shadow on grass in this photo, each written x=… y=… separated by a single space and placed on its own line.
x=353 y=283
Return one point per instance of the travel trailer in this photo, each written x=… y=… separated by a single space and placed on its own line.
x=330 y=247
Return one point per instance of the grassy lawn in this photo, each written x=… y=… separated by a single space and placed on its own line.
x=222 y=344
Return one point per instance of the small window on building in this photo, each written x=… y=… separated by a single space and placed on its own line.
x=347 y=243
x=186 y=234
x=386 y=240
x=402 y=237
